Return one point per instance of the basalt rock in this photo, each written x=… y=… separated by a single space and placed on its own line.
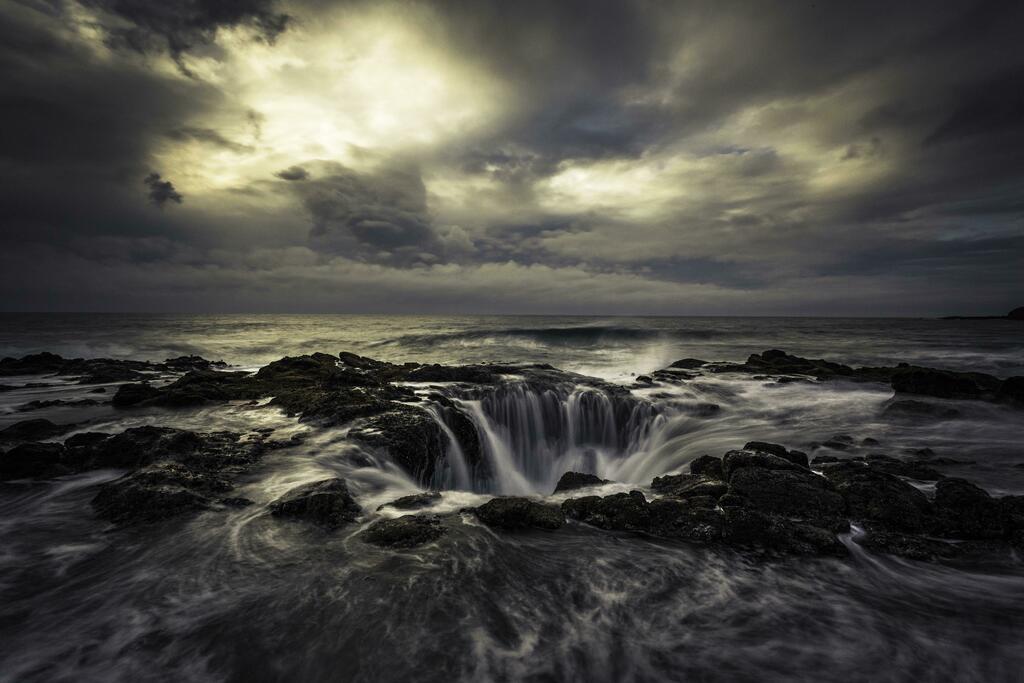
x=414 y=502
x=32 y=430
x=881 y=499
x=409 y=436
x=694 y=520
x=619 y=512
x=517 y=513
x=707 y=466
x=409 y=531
x=326 y=503
x=154 y=494
x=904 y=545
x=689 y=486
x=795 y=494
x=735 y=460
x=134 y=395
x=32 y=460
x=577 y=480
x=56 y=403
x=795 y=457
x=912 y=409
x=943 y=383
x=749 y=528
x=965 y=511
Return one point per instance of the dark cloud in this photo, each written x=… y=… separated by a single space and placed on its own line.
x=208 y=136
x=182 y=25
x=380 y=216
x=161 y=191
x=775 y=152
x=293 y=173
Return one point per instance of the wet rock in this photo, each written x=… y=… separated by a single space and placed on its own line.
x=33 y=364
x=578 y=480
x=965 y=511
x=707 y=466
x=467 y=374
x=735 y=460
x=694 y=520
x=795 y=457
x=513 y=512
x=32 y=430
x=881 y=499
x=745 y=527
x=236 y=502
x=942 y=383
x=327 y=503
x=1012 y=390
x=911 y=547
x=912 y=409
x=186 y=363
x=798 y=494
x=825 y=460
x=56 y=403
x=415 y=501
x=689 y=486
x=332 y=407
x=644 y=379
x=620 y=511
x=408 y=531
x=134 y=394
x=156 y=493
x=199 y=387
x=409 y=436
x=32 y=460
x=689 y=363
x=911 y=470
x=868 y=441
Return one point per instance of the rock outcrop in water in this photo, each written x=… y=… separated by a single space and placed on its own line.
x=408 y=531
x=326 y=503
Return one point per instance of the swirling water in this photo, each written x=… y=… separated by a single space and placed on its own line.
x=236 y=595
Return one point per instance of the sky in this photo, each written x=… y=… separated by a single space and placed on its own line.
x=485 y=156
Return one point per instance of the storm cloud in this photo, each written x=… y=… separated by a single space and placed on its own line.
x=572 y=156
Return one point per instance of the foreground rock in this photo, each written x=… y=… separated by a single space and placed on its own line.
x=32 y=430
x=517 y=513
x=409 y=531
x=156 y=493
x=571 y=481
x=326 y=503
x=414 y=502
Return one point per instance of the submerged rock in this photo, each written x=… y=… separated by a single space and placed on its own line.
x=578 y=480
x=327 y=503
x=156 y=493
x=620 y=511
x=33 y=430
x=408 y=531
x=513 y=512
x=414 y=502
x=32 y=460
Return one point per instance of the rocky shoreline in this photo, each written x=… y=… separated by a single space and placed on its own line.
x=763 y=499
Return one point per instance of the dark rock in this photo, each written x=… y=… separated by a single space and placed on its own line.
x=735 y=460
x=620 y=511
x=1012 y=390
x=825 y=460
x=326 y=502
x=98 y=390
x=134 y=394
x=689 y=364
x=467 y=374
x=836 y=445
x=686 y=520
x=966 y=511
x=911 y=470
x=912 y=409
x=689 y=486
x=186 y=363
x=56 y=403
x=744 y=527
x=578 y=480
x=32 y=460
x=868 y=441
x=236 y=502
x=34 y=364
x=156 y=493
x=878 y=498
x=409 y=436
x=903 y=545
x=111 y=374
x=198 y=387
x=707 y=466
x=512 y=512
x=415 y=501
x=33 y=430
x=795 y=457
x=795 y=494
x=409 y=531
x=941 y=383
x=1016 y=314
x=644 y=379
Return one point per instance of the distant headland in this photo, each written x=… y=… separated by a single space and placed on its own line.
x=1015 y=314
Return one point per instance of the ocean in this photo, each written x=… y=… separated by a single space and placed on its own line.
x=233 y=595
